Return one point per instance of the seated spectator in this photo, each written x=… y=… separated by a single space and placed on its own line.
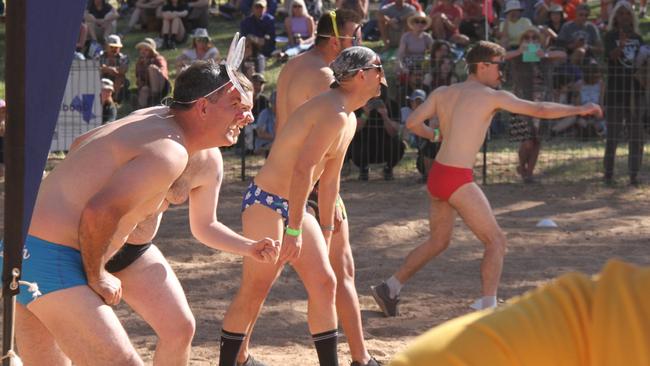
x=531 y=66
x=415 y=43
x=114 y=65
x=580 y=37
x=101 y=19
x=202 y=49
x=513 y=26
x=391 y=20
x=259 y=30
x=299 y=26
x=553 y=25
x=623 y=43
x=265 y=128
x=358 y=6
x=412 y=102
x=109 y=110
x=415 y=79
x=445 y=18
x=473 y=23
x=81 y=45
x=377 y=138
x=259 y=100
x=271 y=7
x=199 y=15
x=542 y=11
x=144 y=16
x=173 y=31
x=151 y=74
x=442 y=75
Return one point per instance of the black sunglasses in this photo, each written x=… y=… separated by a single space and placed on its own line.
x=501 y=64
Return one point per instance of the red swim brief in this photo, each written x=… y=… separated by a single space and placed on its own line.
x=444 y=180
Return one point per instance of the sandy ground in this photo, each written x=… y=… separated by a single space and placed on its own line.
x=387 y=220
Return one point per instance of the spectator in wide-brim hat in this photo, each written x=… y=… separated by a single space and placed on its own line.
x=202 y=49
x=416 y=42
x=151 y=74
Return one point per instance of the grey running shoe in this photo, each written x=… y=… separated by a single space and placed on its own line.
x=372 y=362
x=250 y=361
x=388 y=305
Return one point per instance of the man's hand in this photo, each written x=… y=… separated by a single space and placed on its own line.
x=291 y=246
x=108 y=287
x=338 y=218
x=266 y=250
x=592 y=109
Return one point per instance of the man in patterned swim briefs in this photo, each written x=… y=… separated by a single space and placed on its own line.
x=310 y=147
x=465 y=111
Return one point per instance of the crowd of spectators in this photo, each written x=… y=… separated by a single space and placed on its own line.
x=556 y=51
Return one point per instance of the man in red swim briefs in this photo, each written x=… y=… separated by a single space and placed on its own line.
x=465 y=111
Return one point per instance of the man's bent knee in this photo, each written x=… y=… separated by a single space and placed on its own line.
x=179 y=331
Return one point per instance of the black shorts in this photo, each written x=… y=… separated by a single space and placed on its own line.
x=127 y=254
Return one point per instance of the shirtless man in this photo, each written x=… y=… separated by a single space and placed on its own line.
x=91 y=202
x=311 y=147
x=300 y=80
x=465 y=111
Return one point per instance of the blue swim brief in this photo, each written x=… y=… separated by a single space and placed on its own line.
x=255 y=195
x=50 y=266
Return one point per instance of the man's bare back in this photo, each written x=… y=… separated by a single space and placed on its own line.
x=303 y=78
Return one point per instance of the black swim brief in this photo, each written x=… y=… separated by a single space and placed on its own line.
x=127 y=254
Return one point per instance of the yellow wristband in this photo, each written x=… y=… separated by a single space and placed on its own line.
x=293 y=232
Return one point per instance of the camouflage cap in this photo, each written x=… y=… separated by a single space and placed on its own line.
x=351 y=60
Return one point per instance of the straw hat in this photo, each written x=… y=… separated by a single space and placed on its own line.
x=148 y=43
x=417 y=16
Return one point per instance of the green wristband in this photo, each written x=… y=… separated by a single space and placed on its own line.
x=293 y=232
x=436 y=135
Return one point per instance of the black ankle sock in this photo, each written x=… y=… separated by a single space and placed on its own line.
x=326 y=347
x=229 y=349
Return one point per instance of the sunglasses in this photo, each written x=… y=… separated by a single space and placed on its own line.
x=530 y=38
x=420 y=21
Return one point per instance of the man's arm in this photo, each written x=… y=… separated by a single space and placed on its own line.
x=204 y=224
x=427 y=110
x=313 y=151
x=547 y=110
x=328 y=189
x=123 y=192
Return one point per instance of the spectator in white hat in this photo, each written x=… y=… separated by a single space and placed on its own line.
x=513 y=26
x=109 y=109
x=113 y=65
x=202 y=49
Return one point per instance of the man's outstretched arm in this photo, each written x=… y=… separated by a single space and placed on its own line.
x=547 y=110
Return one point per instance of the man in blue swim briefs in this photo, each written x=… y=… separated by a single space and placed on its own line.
x=91 y=203
x=465 y=111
